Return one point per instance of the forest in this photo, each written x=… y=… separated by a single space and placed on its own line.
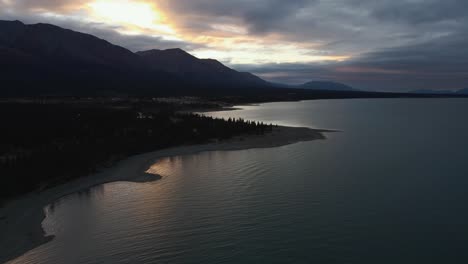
x=45 y=144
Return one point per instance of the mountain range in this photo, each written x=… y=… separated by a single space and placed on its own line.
x=46 y=59
x=43 y=59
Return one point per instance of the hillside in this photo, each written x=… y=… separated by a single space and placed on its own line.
x=200 y=71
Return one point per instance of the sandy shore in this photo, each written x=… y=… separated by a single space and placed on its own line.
x=21 y=219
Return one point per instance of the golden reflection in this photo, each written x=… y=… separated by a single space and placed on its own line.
x=164 y=166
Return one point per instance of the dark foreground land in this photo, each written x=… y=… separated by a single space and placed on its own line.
x=48 y=145
x=45 y=143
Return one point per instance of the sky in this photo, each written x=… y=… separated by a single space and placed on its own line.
x=385 y=45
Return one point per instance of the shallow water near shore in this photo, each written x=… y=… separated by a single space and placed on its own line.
x=389 y=188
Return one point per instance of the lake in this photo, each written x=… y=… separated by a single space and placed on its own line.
x=390 y=187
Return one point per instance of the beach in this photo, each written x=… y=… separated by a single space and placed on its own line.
x=20 y=219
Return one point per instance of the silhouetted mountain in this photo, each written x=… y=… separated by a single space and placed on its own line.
x=463 y=91
x=204 y=71
x=328 y=86
x=43 y=59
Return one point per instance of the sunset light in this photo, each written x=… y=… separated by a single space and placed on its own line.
x=130 y=13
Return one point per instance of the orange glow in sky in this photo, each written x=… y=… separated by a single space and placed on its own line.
x=226 y=40
x=128 y=13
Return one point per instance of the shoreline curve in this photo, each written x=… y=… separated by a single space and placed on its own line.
x=21 y=219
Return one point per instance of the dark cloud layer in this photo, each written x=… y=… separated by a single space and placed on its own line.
x=393 y=44
x=418 y=12
x=260 y=16
x=401 y=45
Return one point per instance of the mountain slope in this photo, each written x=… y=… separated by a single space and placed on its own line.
x=55 y=43
x=207 y=71
x=43 y=59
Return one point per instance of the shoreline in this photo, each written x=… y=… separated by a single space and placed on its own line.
x=21 y=218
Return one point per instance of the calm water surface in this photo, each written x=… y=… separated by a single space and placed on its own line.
x=392 y=187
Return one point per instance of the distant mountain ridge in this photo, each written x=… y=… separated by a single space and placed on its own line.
x=463 y=91
x=327 y=85
x=319 y=86
x=441 y=92
x=429 y=91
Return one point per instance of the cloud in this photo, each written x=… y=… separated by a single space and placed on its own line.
x=258 y=16
x=34 y=5
x=300 y=20
x=420 y=12
x=438 y=64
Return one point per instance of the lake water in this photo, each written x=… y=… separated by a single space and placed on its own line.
x=391 y=187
